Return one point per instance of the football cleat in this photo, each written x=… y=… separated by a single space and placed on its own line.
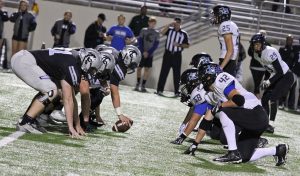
x=231 y=157
x=28 y=128
x=262 y=142
x=270 y=129
x=178 y=141
x=281 y=152
x=58 y=115
x=191 y=150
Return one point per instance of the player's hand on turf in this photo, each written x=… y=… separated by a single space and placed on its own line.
x=124 y=119
x=80 y=131
x=265 y=84
x=217 y=108
x=74 y=134
x=191 y=150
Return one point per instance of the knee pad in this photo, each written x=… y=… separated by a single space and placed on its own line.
x=48 y=97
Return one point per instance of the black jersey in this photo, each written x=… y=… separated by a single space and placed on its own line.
x=59 y=64
x=118 y=73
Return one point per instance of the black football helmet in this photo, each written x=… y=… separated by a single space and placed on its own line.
x=189 y=80
x=208 y=74
x=258 y=38
x=200 y=59
x=220 y=13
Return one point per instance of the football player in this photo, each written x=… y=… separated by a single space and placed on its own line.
x=239 y=107
x=280 y=81
x=197 y=60
x=49 y=70
x=228 y=34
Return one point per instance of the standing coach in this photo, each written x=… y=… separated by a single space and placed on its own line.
x=177 y=40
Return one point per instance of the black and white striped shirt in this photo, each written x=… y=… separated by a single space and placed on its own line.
x=180 y=37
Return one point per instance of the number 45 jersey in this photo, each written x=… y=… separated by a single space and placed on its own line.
x=225 y=83
x=229 y=27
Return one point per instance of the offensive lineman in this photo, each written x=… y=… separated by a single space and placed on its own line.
x=50 y=70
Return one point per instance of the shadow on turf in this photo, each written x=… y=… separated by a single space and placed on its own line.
x=244 y=167
x=208 y=142
x=275 y=135
x=50 y=138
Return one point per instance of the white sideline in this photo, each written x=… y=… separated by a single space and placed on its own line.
x=12 y=137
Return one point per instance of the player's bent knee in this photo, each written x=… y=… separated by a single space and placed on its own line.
x=48 y=97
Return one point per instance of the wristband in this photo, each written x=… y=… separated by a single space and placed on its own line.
x=118 y=111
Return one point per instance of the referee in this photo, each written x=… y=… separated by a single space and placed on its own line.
x=177 y=40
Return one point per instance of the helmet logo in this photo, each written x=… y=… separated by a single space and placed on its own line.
x=224 y=11
x=106 y=60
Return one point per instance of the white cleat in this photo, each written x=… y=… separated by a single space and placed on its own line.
x=58 y=115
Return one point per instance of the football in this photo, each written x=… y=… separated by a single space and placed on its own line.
x=121 y=127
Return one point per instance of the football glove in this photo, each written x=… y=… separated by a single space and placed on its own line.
x=217 y=108
x=191 y=150
x=265 y=84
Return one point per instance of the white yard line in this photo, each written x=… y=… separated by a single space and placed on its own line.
x=12 y=137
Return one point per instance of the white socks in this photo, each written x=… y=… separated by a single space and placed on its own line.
x=229 y=130
x=263 y=152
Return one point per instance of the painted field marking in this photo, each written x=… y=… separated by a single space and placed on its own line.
x=12 y=137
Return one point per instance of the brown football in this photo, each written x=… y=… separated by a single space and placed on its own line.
x=121 y=127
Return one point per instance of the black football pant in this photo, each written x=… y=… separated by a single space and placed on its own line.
x=275 y=92
x=170 y=60
x=230 y=67
x=252 y=122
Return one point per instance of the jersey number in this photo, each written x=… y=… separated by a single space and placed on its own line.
x=224 y=78
x=274 y=56
x=225 y=28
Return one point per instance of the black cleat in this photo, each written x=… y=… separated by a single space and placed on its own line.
x=191 y=150
x=262 y=142
x=281 y=151
x=178 y=141
x=231 y=157
x=270 y=129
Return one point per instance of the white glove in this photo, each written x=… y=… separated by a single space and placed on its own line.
x=265 y=84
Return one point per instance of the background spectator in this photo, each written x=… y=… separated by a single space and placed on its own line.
x=3 y=18
x=95 y=33
x=164 y=12
x=24 y=23
x=62 y=30
x=296 y=70
x=120 y=35
x=139 y=22
x=275 y=6
x=148 y=42
x=288 y=54
x=173 y=54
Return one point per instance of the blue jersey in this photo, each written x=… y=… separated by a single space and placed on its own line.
x=119 y=35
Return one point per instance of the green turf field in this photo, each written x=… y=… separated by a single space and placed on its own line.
x=144 y=150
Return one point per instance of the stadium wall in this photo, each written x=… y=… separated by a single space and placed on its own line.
x=83 y=16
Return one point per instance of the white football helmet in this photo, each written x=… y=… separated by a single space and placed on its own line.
x=90 y=60
x=131 y=56
x=108 y=49
x=108 y=64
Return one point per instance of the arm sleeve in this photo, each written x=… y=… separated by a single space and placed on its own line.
x=250 y=51
x=53 y=29
x=72 y=28
x=32 y=25
x=141 y=46
x=186 y=39
x=129 y=33
x=229 y=88
x=202 y=108
x=153 y=48
x=87 y=36
x=279 y=71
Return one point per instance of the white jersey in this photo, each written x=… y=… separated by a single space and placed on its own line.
x=269 y=55
x=223 y=80
x=199 y=95
x=229 y=27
